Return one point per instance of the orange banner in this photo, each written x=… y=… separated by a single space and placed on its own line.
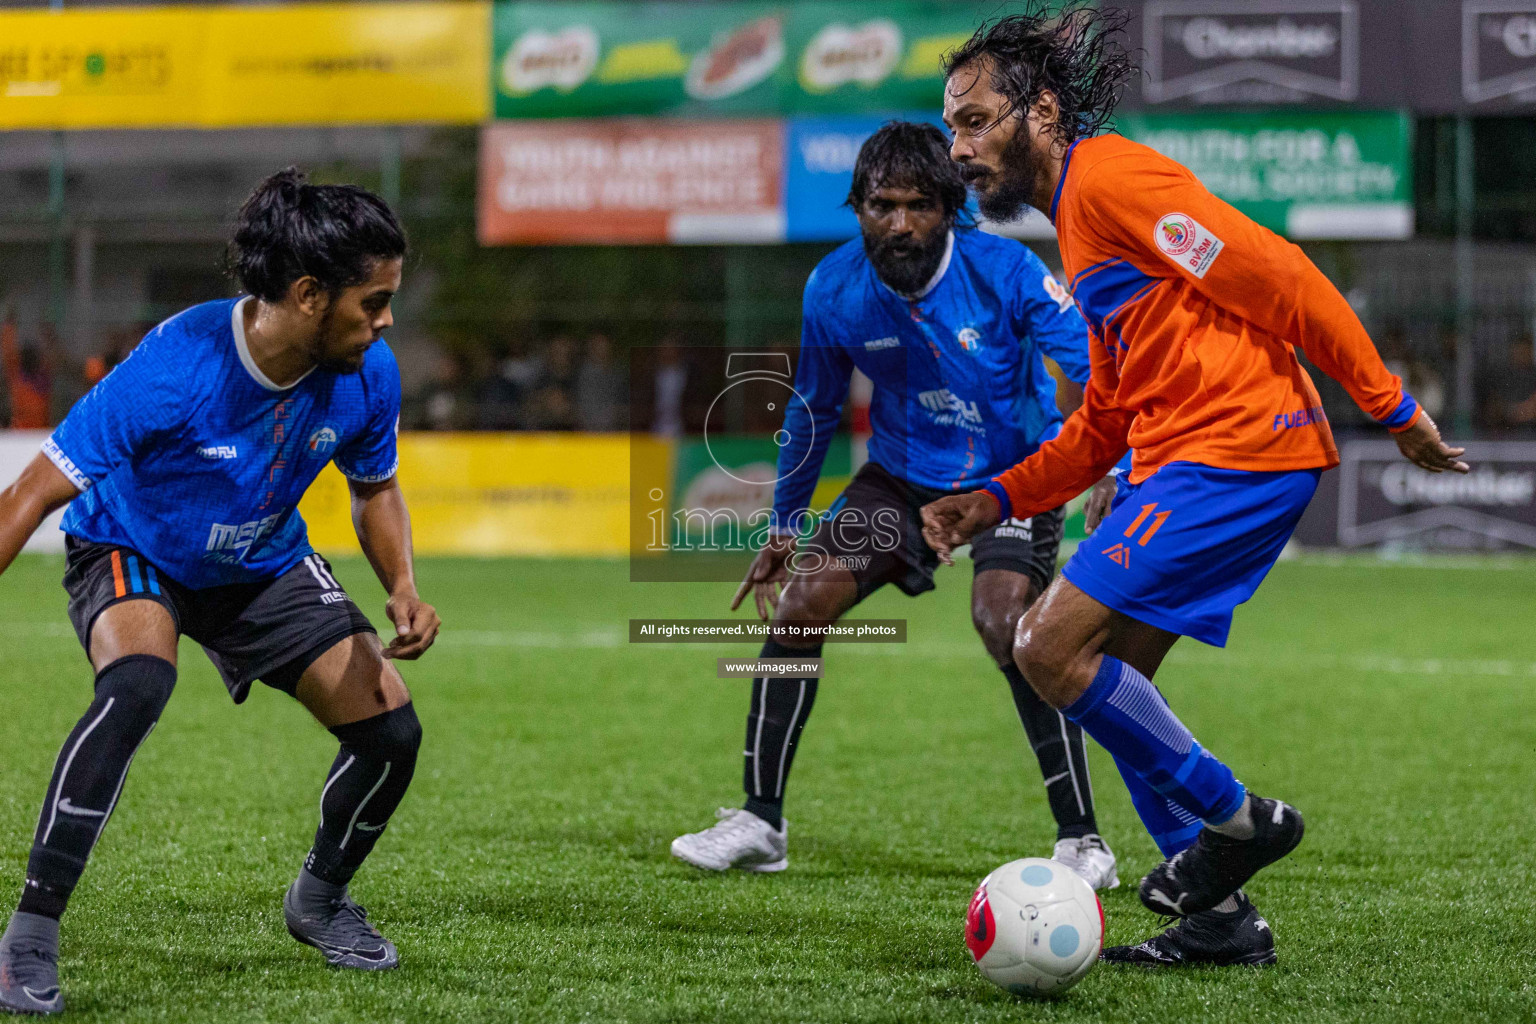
x=631 y=181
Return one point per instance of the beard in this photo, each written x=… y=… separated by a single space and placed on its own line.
x=1002 y=196
x=907 y=264
x=328 y=361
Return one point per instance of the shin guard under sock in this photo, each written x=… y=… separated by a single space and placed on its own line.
x=365 y=785
x=89 y=774
x=1060 y=748
x=1124 y=712
x=779 y=710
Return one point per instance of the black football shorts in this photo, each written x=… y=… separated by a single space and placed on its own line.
x=875 y=530
x=270 y=630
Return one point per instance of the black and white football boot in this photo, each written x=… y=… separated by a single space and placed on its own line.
x=29 y=965
x=1234 y=938
x=1216 y=866
x=342 y=933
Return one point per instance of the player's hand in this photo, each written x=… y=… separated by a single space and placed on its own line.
x=767 y=575
x=416 y=626
x=1422 y=446
x=1099 y=499
x=954 y=520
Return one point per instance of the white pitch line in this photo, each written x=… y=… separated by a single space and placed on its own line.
x=1192 y=656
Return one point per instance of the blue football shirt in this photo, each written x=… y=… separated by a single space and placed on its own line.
x=961 y=391
x=188 y=454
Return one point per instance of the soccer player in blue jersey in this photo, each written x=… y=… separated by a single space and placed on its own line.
x=951 y=325
x=182 y=470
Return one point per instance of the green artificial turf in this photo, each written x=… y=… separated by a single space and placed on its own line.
x=527 y=878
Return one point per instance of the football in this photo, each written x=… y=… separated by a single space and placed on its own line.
x=1034 y=927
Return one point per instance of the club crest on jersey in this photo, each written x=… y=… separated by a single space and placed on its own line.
x=322 y=443
x=970 y=338
x=1187 y=243
x=1058 y=294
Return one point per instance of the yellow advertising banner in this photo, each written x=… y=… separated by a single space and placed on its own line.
x=349 y=64
x=226 y=66
x=106 y=67
x=503 y=494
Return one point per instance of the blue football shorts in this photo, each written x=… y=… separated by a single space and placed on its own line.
x=1190 y=543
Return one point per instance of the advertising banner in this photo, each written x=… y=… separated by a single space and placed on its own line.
x=501 y=494
x=348 y=64
x=107 y=67
x=206 y=67
x=819 y=156
x=1475 y=56
x=602 y=59
x=621 y=181
x=1315 y=174
x=1383 y=500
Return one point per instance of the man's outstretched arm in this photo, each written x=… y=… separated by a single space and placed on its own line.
x=383 y=526
x=40 y=491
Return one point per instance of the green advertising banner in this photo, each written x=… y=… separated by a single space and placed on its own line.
x=1304 y=174
x=611 y=59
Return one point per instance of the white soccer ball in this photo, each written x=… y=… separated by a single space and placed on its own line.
x=1034 y=927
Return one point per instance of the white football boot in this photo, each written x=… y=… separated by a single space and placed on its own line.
x=1091 y=858
x=740 y=839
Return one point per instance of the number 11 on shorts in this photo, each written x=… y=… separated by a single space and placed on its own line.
x=1157 y=523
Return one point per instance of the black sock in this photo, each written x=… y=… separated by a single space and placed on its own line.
x=89 y=774
x=364 y=786
x=1063 y=754
x=778 y=713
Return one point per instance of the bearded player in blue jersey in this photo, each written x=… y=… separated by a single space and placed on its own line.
x=951 y=325
x=182 y=470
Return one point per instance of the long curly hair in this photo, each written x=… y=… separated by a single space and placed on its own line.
x=913 y=154
x=1070 y=49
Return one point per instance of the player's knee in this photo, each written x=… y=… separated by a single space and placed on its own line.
x=139 y=684
x=995 y=627
x=394 y=736
x=808 y=607
x=1044 y=662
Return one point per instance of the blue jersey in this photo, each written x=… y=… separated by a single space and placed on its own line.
x=188 y=454
x=961 y=392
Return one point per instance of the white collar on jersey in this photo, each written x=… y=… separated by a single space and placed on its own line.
x=933 y=282
x=237 y=323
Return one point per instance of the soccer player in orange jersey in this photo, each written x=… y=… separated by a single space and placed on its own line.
x=1195 y=314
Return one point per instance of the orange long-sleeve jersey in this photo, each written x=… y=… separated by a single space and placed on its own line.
x=1195 y=312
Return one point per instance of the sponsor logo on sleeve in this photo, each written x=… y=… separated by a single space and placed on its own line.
x=1186 y=243
x=1057 y=292
x=876 y=344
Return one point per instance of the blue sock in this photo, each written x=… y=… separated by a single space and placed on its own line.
x=1172 y=827
x=1123 y=711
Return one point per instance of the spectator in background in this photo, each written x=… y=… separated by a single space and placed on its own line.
x=1513 y=397
x=497 y=398
x=447 y=402
x=552 y=405
x=600 y=390
x=28 y=378
x=1421 y=379
x=671 y=380
x=119 y=345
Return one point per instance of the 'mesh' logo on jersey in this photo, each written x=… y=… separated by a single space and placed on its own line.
x=879 y=343
x=239 y=538
x=219 y=451
x=949 y=409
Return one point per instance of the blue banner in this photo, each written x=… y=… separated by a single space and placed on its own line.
x=819 y=153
